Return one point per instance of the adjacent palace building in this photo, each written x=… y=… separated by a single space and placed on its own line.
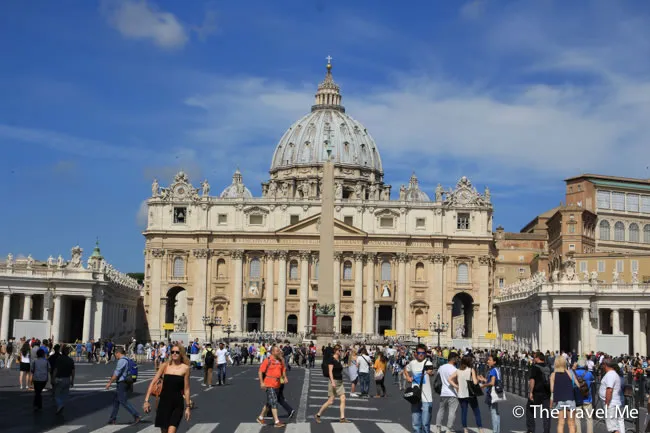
x=401 y=261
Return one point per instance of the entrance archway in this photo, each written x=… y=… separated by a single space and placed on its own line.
x=253 y=316
x=346 y=325
x=462 y=313
x=176 y=304
x=385 y=319
x=292 y=324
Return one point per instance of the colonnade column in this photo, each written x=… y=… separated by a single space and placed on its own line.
x=485 y=262
x=358 y=294
x=244 y=323
x=586 y=335
x=238 y=282
x=376 y=329
x=556 y=328
x=4 y=324
x=281 y=320
x=27 y=308
x=156 y=316
x=88 y=304
x=636 y=330
x=56 y=320
x=99 y=314
x=643 y=334
x=616 y=322
x=370 y=294
x=269 y=287
x=401 y=293
x=337 y=292
x=304 y=290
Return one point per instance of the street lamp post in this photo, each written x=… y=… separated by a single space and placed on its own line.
x=414 y=333
x=211 y=321
x=228 y=328
x=438 y=327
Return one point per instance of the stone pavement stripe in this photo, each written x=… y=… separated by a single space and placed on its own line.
x=299 y=427
x=348 y=407
x=151 y=429
x=65 y=429
x=203 y=428
x=390 y=427
x=111 y=428
x=302 y=408
x=344 y=428
x=333 y=418
x=318 y=397
x=249 y=427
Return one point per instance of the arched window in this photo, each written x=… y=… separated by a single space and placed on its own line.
x=255 y=269
x=419 y=272
x=634 y=232
x=316 y=269
x=619 y=231
x=385 y=270
x=604 y=230
x=347 y=270
x=646 y=233
x=179 y=267
x=293 y=270
x=221 y=268
x=462 y=273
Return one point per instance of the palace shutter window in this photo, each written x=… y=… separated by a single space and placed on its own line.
x=603 y=199
x=618 y=201
x=255 y=270
x=385 y=271
x=601 y=266
x=604 y=230
x=619 y=266
x=635 y=266
x=646 y=233
x=179 y=267
x=645 y=204
x=619 y=232
x=634 y=232
x=583 y=266
x=462 y=273
x=632 y=203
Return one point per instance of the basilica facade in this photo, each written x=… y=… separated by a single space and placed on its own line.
x=402 y=260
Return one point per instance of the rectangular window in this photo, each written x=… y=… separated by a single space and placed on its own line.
x=386 y=222
x=293 y=292
x=349 y=220
x=347 y=293
x=522 y=271
x=256 y=220
x=601 y=266
x=293 y=219
x=419 y=223
x=632 y=202
x=583 y=266
x=502 y=257
x=619 y=266
x=603 y=199
x=501 y=283
x=222 y=219
x=572 y=247
x=463 y=221
x=572 y=228
x=521 y=258
x=180 y=215
x=618 y=200
x=635 y=266
x=645 y=203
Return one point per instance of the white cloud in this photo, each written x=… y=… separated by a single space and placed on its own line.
x=139 y=19
x=473 y=9
x=141 y=217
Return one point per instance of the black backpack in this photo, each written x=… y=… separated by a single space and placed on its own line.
x=209 y=358
x=437 y=384
x=326 y=370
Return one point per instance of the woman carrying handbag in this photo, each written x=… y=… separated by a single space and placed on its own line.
x=380 y=367
x=468 y=391
x=494 y=391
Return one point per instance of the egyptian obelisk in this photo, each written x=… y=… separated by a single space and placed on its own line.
x=325 y=311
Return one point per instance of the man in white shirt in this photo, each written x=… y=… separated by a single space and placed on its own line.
x=418 y=372
x=448 y=396
x=222 y=360
x=610 y=393
x=364 y=363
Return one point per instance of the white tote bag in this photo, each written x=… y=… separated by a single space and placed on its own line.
x=494 y=395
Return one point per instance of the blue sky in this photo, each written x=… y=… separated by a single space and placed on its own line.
x=100 y=97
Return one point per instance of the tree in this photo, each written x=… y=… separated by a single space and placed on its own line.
x=138 y=276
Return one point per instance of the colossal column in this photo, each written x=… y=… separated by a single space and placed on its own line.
x=436 y=287
x=269 y=290
x=88 y=304
x=358 y=293
x=281 y=320
x=370 y=293
x=197 y=302
x=401 y=293
x=336 y=290
x=4 y=325
x=235 y=314
x=156 y=316
x=483 y=296
x=304 y=291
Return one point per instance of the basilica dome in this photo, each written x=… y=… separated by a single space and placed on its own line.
x=236 y=189
x=306 y=142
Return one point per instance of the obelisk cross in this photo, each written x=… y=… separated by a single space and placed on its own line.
x=329 y=59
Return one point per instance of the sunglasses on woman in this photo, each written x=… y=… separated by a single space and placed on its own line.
x=176 y=352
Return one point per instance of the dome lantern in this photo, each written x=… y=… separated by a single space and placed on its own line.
x=328 y=95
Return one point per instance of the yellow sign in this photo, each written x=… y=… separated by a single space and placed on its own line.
x=168 y=326
x=390 y=333
x=422 y=334
x=508 y=337
x=490 y=336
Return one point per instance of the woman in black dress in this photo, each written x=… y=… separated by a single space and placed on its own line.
x=175 y=396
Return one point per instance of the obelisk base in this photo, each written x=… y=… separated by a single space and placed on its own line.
x=324 y=326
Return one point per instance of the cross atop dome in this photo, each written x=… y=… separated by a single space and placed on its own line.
x=328 y=95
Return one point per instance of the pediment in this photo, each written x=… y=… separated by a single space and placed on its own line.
x=311 y=226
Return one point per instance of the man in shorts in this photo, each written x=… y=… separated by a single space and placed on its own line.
x=271 y=374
